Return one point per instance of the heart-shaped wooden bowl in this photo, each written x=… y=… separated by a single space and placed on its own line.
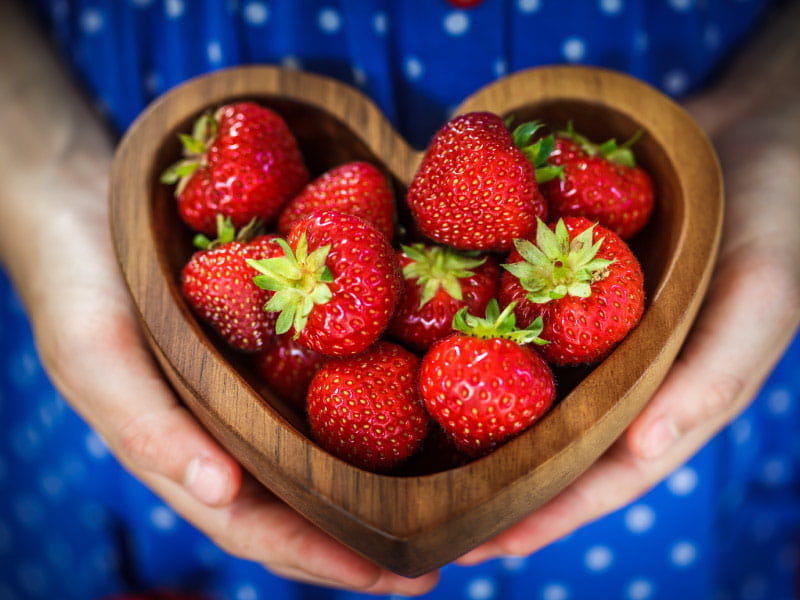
x=434 y=511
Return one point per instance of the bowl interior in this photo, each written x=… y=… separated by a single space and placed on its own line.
x=326 y=141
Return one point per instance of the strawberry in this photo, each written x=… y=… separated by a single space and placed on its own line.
x=217 y=284
x=242 y=162
x=366 y=410
x=438 y=282
x=287 y=367
x=336 y=285
x=476 y=188
x=583 y=281
x=599 y=182
x=484 y=384
x=356 y=188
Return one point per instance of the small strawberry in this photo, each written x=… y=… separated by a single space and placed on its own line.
x=599 y=182
x=476 y=188
x=438 y=282
x=484 y=384
x=366 y=409
x=218 y=285
x=288 y=367
x=583 y=281
x=336 y=285
x=356 y=188
x=242 y=162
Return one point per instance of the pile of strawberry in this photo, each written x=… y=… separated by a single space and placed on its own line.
x=518 y=263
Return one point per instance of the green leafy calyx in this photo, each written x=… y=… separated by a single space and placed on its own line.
x=226 y=233
x=556 y=266
x=537 y=152
x=498 y=325
x=194 y=146
x=437 y=267
x=300 y=281
x=620 y=154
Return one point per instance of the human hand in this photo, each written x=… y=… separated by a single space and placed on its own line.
x=749 y=316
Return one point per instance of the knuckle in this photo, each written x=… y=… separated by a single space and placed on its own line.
x=720 y=396
x=138 y=442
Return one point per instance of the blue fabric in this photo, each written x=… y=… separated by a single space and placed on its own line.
x=74 y=525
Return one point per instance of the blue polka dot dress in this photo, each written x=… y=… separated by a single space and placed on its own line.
x=75 y=525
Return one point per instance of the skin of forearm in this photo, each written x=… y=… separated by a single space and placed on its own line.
x=55 y=153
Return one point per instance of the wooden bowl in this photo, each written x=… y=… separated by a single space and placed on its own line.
x=435 y=510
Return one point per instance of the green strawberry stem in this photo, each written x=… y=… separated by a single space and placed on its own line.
x=498 y=325
x=556 y=266
x=610 y=149
x=300 y=281
x=438 y=267
x=537 y=152
x=226 y=233
x=204 y=132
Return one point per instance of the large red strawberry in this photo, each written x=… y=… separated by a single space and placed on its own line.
x=599 y=182
x=242 y=162
x=583 y=281
x=288 y=367
x=218 y=285
x=438 y=282
x=336 y=285
x=366 y=409
x=476 y=188
x=484 y=384
x=356 y=188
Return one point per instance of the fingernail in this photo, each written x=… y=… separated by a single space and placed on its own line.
x=207 y=481
x=662 y=435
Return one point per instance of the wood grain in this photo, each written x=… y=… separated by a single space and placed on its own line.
x=435 y=510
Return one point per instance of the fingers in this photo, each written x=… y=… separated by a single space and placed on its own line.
x=256 y=526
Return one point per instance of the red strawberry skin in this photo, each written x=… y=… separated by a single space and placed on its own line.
x=366 y=283
x=618 y=197
x=419 y=327
x=584 y=330
x=366 y=409
x=475 y=190
x=288 y=367
x=356 y=188
x=484 y=391
x=218 y=286
x=252 y=168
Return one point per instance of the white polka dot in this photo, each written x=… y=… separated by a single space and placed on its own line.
x=481 y=589
x=528 y=6
x=413 y=68
x=174 y=8
x=153 y=83
x=676 y=81
x=329 y=20
x=639 y=518
x=291 y=62
x=246 y=592
x=214 y=52
x=96 y=446
x=683 y=554
x=24 y=368
x=256 y=13
x=611 y=7
x=512 y=564
x=359 y=76
x=52 y=485
x=639 y=589
x=380 y=23
x=456 y=23
x=555 y=591
x=92 y=21
x=598 y=558
x=683 y=481
x=741 y=429
x=681 y=5
x=712 y=36
x=641 y=41
x=774 y=471
x=163 y=518
x=779 y=401
x=573 y=49
x=500 y=67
